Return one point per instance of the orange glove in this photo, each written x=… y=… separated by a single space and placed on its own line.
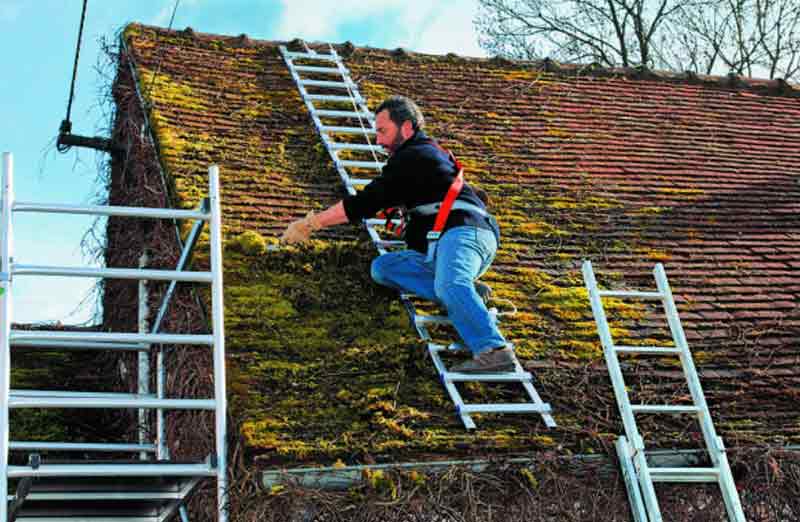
x=300 y=231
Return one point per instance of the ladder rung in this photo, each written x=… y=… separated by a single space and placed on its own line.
x=48 y=335
x=390 y=244
x=684 y=474
x=658 y=408
x=64 y=394
x=323 y=83
x=76 y=345
x=653 y=350
x=361 y=164
x=356 y=146
x=505 y=408
x=634 y=295
x=78 y=496
x=80 y=446
x=310 y=56
x=421 y=320
x=344 y=114
x=379 y=222
x=359 y=182
x=113 y=273
x=438 y=347
x=322 y=70
x=112 y=470
x=345 y=130
x=110 y=210
x=145 y=401
x=333 y=98
x=487 y=377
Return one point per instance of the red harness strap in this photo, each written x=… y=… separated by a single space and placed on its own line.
x=447 y=204
x=452 y=193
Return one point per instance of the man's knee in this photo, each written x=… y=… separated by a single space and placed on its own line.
x=445 y=290
x=377 y=272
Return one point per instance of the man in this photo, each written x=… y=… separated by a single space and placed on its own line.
x=418 y=175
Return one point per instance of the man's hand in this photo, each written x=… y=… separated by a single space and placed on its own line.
x=300 y=231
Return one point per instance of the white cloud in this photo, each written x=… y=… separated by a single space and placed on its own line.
x=420 y=25
x=451 y=31
x=320 y=19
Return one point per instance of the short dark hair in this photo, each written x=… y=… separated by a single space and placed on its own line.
x=402 y=109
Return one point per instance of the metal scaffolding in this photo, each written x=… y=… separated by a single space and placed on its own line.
x=142 y=342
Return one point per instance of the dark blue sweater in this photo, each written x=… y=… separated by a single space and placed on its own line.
x=417 y=173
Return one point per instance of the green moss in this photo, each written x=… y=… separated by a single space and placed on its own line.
x=327 y=368
x=250 y=243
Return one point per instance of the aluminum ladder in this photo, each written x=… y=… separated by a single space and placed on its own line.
x=152 y=488
x=638 y=474
x=327 y=105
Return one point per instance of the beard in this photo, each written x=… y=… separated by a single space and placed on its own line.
x=395 y=144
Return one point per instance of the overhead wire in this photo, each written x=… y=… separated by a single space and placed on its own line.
x=157 y=70
x=66 y=124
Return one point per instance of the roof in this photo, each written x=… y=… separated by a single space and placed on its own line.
x=622 y=167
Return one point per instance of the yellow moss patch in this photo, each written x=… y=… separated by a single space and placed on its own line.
x=250 y=243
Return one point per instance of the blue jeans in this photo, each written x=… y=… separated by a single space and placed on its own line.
x=463 y=254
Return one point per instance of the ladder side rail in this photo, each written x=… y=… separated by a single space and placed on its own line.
x=455 y=396
x=623 y=402
x=730 y=494
x=359 y=104
x=716 y=448
x=315 y=118
x=357 y=98
x=218 y=328
x=645 y=480
x=6 y=252
x=160 y=372
x=630 y=477
x=143 y=359
x=298 y=82
x=614 y=370
x=162 y=452
x=549 y=421
x=689 y=369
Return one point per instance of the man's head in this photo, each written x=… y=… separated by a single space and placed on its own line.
x=396 y=120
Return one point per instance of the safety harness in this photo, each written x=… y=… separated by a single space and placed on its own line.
x=395 y=217
x=443 y=209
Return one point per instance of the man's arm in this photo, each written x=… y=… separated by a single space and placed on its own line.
x=331 y=216
x=301 y=230
x=382 y=192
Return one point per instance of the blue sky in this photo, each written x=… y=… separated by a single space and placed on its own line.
x=38 y=43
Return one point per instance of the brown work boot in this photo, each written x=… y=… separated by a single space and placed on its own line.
x=493 y=361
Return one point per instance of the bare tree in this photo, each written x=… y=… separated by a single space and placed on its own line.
x=610 y=32
x=745 y=37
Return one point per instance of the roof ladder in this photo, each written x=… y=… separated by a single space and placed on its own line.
x=638 y=474
x=365 y=128
x=151 y=488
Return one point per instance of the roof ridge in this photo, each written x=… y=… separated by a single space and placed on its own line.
x=774 y=87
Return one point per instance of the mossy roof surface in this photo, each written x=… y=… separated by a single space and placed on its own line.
x=621 y=170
